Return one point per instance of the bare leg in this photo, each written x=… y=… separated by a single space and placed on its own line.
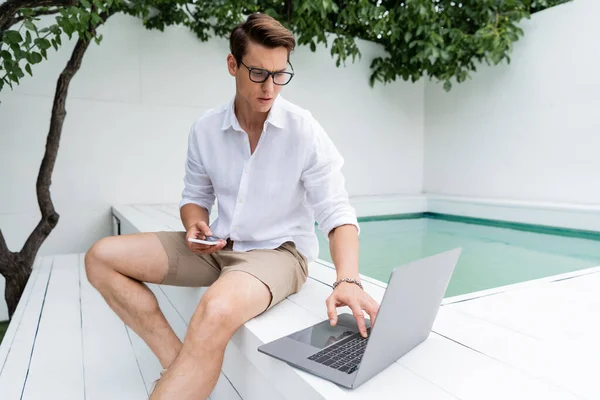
x=115 y=266
x=233 y=299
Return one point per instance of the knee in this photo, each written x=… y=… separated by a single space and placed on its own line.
x=219 y=312
x=216 y=321
x=97 y=261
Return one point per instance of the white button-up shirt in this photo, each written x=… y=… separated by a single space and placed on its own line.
x=274 y=195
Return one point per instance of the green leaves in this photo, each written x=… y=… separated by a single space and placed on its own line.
x=442 y=39
x=34 y=57
x=12 y=37
x=24 y=45
x=343 y=47
x=445 y=40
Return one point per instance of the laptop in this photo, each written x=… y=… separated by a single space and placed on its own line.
x=406 y=315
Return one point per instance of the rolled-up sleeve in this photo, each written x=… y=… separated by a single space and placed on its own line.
x=325 y=184
x=198 y=188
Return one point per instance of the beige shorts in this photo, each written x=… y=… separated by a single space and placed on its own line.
x=283 y=270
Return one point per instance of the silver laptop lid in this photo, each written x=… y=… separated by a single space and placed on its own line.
x=407 y=311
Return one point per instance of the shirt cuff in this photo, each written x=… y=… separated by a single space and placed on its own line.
x=345 y=219
x=200 y=203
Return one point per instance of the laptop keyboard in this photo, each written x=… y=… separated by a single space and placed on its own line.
x=345 y=355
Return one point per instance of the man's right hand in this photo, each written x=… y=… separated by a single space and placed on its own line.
x=200 y=230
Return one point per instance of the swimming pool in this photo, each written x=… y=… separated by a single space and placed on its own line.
x=491 y=256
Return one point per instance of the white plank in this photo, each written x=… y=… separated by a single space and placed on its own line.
x=135 y=221
x=56 y=368
x=558 y=311
x=572 y=367
x=9 y=335
x=173 y=210
x=111 y=369
x=14 y=372
x=471 y=375
x=156 y=214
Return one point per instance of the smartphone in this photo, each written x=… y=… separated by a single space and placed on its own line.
x=210 y=240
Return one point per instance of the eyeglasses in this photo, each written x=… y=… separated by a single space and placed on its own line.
x=260 y=75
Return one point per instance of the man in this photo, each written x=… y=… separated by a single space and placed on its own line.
x=274 y=171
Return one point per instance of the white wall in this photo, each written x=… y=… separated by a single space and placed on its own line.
x=528 y=130
x=129 y=112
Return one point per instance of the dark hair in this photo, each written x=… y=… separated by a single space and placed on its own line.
x=261 y=29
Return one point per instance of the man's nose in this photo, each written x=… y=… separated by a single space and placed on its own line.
x=268 y=85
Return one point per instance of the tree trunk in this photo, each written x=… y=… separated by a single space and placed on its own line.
x=17 y=274
x=16 y=267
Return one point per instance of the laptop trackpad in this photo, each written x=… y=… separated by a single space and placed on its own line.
x=323 y=334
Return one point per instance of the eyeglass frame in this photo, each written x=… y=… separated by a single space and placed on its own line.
x=269 y=73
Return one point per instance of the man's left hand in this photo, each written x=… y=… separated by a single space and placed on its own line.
x=351 y=295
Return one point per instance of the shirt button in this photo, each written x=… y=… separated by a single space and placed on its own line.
x=241 y=200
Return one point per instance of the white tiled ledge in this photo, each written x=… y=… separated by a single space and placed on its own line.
x=442 y=367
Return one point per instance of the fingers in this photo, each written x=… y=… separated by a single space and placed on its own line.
x=201 y=230
x=219 y=246
x=360 y=318
x=204 y=229
x=357 y=303
x=331 y=310
x=200 y=248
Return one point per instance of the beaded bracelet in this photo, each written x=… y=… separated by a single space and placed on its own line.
x=347 y=280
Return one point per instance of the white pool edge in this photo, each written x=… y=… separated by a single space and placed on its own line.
x=491 y=291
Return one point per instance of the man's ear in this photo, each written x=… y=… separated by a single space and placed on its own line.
x=231 y=65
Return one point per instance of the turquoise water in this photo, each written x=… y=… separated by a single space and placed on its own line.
x=491 y=256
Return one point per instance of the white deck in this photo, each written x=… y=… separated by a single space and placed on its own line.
x=532 y=340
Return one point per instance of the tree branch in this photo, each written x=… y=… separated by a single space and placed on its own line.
x=3 y=246
x=50 y=217
x=4 y=255
x=11 y=7
x=16 y=20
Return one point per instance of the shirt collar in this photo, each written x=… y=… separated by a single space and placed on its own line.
x=276 y=115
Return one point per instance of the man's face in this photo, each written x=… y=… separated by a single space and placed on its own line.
x=259 y=96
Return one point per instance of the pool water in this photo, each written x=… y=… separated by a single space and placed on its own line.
x=491 y=256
